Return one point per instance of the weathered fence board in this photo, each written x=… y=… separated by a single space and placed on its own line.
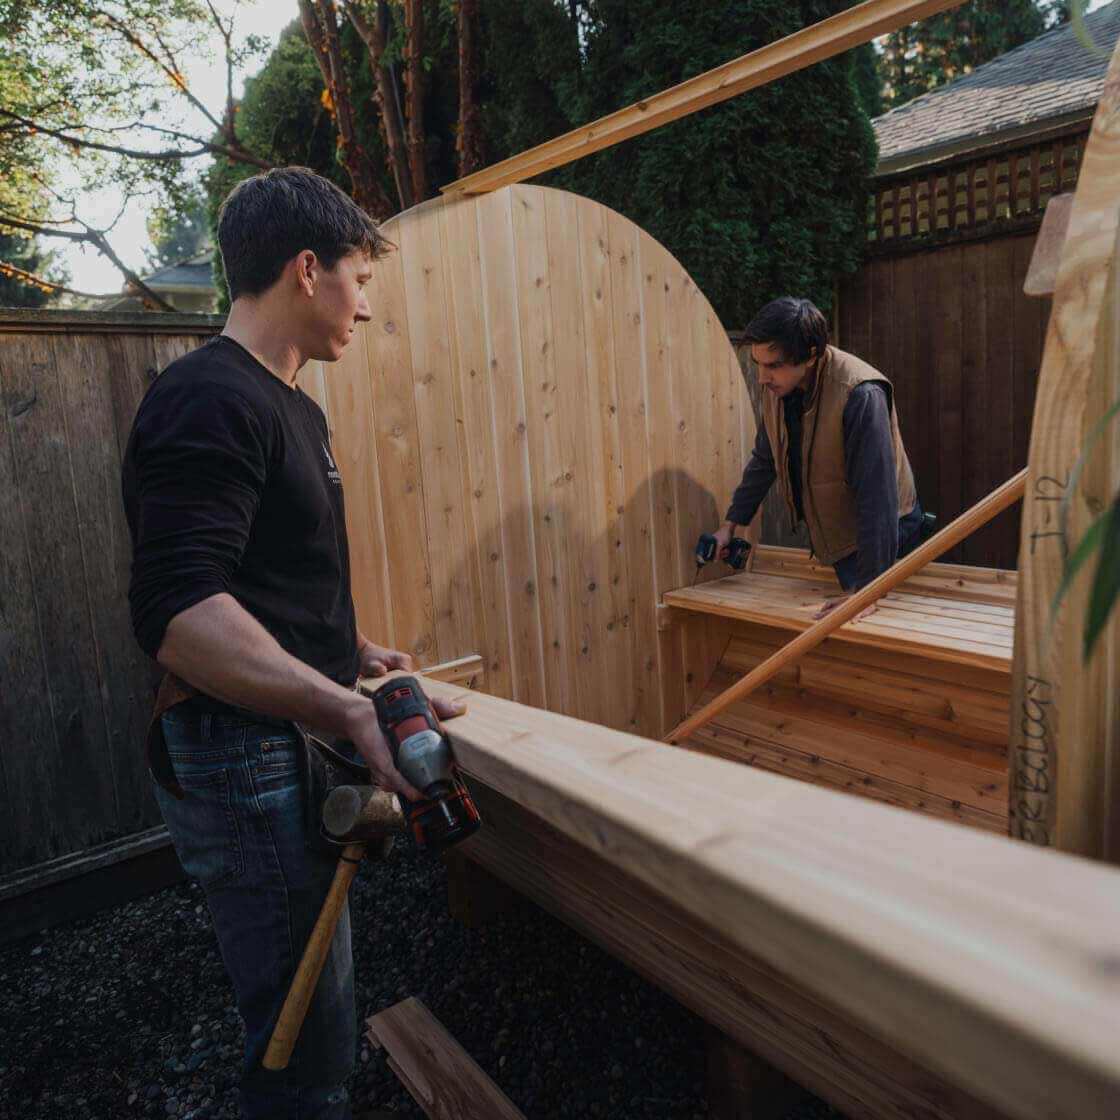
x=76 y=690
x=951 y=327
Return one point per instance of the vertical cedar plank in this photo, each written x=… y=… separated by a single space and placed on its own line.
x=643 y=712
x=82 y=808
x=514 y=466
x=312 y=380
x=467 y=332
x=395 y=434
x=548 y=451
x=656 y=267
x=446 y=497
x=346 y=388
x=613 y=651
x=577 y=423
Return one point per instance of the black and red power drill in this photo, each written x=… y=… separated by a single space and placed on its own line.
x=422 y=753
x=734 y=555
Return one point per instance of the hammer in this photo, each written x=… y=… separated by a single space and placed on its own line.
x=353 y=815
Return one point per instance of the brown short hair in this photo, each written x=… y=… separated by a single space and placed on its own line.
x=268 y=218
x=794 y=326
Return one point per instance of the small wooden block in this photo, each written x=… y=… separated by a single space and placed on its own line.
x=1042 y=274
x=474 y=895
x=742 y=1086
x=445 y=1081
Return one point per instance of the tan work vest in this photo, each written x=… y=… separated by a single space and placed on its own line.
x=826 y=498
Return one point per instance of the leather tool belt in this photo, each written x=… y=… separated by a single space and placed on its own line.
x=322 y=766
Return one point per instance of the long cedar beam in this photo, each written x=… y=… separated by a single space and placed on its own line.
x=953 y=533
x=803 y=48
x=995 y=963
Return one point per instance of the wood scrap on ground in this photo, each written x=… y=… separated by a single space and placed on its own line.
x=443 y=1079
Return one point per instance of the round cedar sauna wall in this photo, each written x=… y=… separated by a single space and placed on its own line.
x=540 y=419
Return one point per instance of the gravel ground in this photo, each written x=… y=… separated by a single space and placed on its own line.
x=129 y=1013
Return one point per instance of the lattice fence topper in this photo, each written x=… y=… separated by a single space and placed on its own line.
x=973 y=197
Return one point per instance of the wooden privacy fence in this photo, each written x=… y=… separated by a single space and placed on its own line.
x=75 y=690
x=952 y=329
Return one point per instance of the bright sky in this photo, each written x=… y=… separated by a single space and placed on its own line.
x=91 y=272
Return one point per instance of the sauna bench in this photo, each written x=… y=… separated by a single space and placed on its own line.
x=909 y=705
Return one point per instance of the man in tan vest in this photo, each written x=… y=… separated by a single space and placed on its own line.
x=830 y=439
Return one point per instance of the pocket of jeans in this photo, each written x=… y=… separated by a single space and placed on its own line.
x=203 y=823
x=277 y=756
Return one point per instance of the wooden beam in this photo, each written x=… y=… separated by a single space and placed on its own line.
x=443 y=1079
x=771 y=1014
x=812 y=44
x=953 y=533
x=994 y=963
x=1065 y=747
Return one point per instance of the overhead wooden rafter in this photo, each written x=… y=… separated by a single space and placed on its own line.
x=803 y=48
x=991 y=963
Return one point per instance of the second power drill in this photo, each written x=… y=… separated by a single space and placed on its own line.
x=735 y=554
x=422 y=753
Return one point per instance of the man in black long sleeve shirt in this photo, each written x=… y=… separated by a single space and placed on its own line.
x=854 y=515
x=240 y=589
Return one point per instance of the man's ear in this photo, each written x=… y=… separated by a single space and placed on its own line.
x=307 y=269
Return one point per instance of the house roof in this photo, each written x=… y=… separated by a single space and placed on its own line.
x=193 y=274
x=1049 y=81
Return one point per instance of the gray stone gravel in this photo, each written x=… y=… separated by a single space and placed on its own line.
x=130 y=1014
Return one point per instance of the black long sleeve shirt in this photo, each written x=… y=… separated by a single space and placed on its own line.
x=229 y=485
x=869 y=467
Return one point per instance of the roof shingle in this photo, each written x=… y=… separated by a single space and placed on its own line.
x=1050 y=77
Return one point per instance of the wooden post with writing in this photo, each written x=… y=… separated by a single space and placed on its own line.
x=1065 y=721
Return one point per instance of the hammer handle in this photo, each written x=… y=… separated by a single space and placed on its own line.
x=294 y=1011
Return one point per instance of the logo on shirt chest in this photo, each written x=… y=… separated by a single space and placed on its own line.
x=332 y=470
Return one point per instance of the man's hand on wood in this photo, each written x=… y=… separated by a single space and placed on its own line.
x=834 y=601
x=376 y=661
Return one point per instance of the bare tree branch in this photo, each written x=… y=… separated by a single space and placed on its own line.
x=32 y=280
x=90 y=236
x=226 y=32
x=238 y=155
x=373 y=34
x=171 y=70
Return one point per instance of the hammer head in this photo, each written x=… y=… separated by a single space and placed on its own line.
x=353 y=814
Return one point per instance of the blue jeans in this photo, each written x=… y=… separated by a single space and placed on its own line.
x=240 y=831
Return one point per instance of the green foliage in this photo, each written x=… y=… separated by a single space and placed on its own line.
x=28 y=255
x=531 y=71
x=179 y=230
x=925 y=55
x=758 y=197
x=761 y=196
